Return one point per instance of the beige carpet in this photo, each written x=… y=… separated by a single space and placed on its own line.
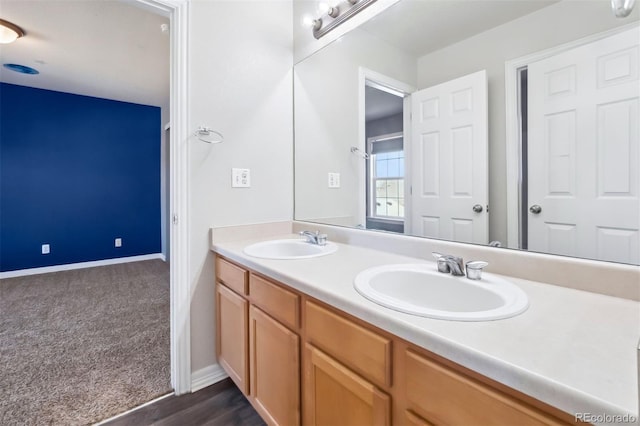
x=80 y=346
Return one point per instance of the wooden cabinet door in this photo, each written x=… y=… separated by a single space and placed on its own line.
x=274 y=354
x=335 y=395
x=413 y=420
x=232 y=335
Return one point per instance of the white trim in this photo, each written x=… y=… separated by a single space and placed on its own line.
x=367 y=77
x=79 y=265
x=179 y=239
x=408 y=136
x=179 y=255
x=512 y=122
x=117 y=416
x=207 y=376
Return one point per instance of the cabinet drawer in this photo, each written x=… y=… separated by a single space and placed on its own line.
x=444 y=396
x=232 y=276
x=362 y=350
x=278 y=302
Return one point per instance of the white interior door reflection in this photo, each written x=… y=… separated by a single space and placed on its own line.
x=449 y=160
x=583 y=153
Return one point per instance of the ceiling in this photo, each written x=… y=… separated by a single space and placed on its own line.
x=444 y=22
x=102 y=48
x=112 y=49
x=379 y=104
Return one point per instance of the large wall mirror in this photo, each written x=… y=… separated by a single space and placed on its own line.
x=510 y=123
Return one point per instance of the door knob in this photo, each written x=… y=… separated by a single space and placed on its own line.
x=477 y=208
x=535 y=209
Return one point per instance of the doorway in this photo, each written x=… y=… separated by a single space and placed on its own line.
x=385 y=170
x=384 y=125
x=180 y=368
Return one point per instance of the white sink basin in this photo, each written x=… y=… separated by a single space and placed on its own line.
x=289 y=249
x=419 y=289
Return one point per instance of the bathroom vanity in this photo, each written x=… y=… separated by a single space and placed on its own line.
x=302 y=345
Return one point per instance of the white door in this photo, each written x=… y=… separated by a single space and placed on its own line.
x=449 y=178
x=583 y=151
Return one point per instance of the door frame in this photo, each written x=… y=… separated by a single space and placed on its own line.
x=179 y=241
x=367 y=77
x=512 y=120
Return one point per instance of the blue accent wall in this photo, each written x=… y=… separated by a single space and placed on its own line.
x=76 y=172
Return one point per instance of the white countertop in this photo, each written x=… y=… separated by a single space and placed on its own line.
x=572 y=349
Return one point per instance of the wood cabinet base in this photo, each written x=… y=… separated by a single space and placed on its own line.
x=352 y=372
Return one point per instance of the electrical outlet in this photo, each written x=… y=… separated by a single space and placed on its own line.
x=334 y=180
x=240 y=178
x=46 y=249
x=118 y=242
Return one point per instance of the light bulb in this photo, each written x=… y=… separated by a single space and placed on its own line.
x=323 y=7
x=622 y=8
x=9 y=32
x=307 y=21
x=310 y=22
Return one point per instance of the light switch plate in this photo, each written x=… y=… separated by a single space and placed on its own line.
x=46 y=249
x=240 y=178
x=118 y=242
x=334 y=180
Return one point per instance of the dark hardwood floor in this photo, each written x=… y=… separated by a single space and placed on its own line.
x=216 y=405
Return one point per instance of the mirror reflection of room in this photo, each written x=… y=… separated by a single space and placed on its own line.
x=385 y=159
x=468 y=126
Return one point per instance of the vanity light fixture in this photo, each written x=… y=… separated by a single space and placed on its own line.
x=333 y=11
x=9 y=32
x=339 y=13
x=622 y=8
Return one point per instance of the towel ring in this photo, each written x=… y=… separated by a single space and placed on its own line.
x=357 y=151
x=203 y=132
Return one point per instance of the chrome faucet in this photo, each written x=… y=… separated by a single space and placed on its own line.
x=450 y=264
x=455 y=266
x=315 y=237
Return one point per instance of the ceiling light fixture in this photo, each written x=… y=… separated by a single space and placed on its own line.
x=339 y=13
x=9 y=32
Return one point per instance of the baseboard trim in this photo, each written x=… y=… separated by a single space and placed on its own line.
x=207 y=376
x=117 y=416
x=80 y=265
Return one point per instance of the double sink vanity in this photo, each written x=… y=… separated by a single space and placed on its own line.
x=346 y=333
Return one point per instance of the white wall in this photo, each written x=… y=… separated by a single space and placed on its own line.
x=241 y=55
x=557 y=24
x=326 y=87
